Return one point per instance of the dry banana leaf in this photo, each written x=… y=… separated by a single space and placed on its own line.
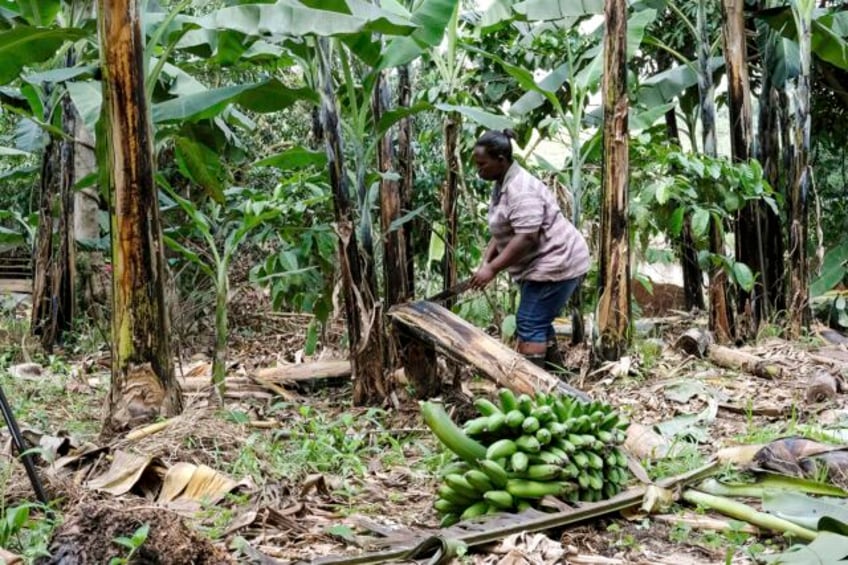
x=126 y=470
x=800 y=457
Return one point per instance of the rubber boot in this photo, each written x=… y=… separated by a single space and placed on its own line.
x=554 y=362
x=537 y=359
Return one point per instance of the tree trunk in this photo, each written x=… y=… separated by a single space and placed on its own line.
x=43 y=319
x=406 y=168
x=770 y=157
x=752 y=306
x=693 y=277
x=394 y=240
x=721 y=317
x=799 y=302
x=54 y=263
x=92 y=280
x=614 y=262
x=143 y=383
x=364 y=320
x=450 y=192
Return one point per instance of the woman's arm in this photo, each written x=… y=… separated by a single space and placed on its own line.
x=517 y=248
x=491 y=251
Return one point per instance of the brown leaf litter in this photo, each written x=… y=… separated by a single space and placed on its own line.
x=87 y=537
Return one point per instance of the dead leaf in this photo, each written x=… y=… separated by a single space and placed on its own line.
x=207 y=485
x=657 y=499
x=9 y=558
x=240 y=522
x=315 y=481
x=82 y=455
x=741 y=455
x=126 y=470
x=683 y=390
x=175 y=481
x=644 y=443
x=27 y=371
x=530 y=549
x=800 y=457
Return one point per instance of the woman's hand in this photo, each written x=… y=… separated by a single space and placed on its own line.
x=483 y=276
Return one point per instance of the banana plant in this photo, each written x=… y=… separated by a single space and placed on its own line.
x=568 y=87
x=223 y=229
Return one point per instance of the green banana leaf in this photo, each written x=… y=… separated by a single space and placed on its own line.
x=24 y=46
x=267 y=96
x=538 y=10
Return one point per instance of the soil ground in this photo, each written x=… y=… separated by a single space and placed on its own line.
x=317 y=476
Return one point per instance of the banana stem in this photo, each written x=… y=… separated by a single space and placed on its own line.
x=745 y=513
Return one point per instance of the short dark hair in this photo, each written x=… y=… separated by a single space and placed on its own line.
x=497 y=143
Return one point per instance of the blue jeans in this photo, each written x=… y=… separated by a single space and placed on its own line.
x=540 y=303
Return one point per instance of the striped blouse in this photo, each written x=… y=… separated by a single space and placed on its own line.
x=524 y=204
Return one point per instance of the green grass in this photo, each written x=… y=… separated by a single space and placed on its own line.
x=686 y=458
x=44 y=403
x=320 y=441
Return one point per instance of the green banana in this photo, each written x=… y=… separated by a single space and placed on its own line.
x=479 y=480
x=501 y=448
x=580 y=459
x=476 y=426
x=522 y=488
x=460 y=485
x=528 y=444
x=515 y=418
x=500 y=498
x=496 y=473
x=543 y=436
x=543 y=413
x=443 y=505
x=595 y=461
x=486 y=407
x=508 y=400
x=475 y=510
x=543 y=472
x=451 y=495
x=453 y=467
x=519 y=461
x=525 y=404
x=495 y=422
x=530 y=425
x=449 y=520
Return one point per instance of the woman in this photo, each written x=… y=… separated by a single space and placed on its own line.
x=531 y=239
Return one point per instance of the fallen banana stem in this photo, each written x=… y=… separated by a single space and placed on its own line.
x=745 y=513
x=770 y=481
x=140 y=433
x=706 y=523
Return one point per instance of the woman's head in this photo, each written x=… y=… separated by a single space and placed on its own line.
x=493 y=154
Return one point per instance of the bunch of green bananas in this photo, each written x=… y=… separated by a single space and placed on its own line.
x=523 y=449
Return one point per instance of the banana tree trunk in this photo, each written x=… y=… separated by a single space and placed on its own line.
x=693 y=277
x=799 y=303
x=450 y=196
x=364 y=320
x=770 y=156
x=43 y=304
x=721 y=316
x=394 y=240
x=751 y=307
x=92 y=280
x=406 y=168
x=614 y=263
x=54 y=299
x=419 y=361
x=143 y=383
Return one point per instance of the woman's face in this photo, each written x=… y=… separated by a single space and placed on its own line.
x=488 y=167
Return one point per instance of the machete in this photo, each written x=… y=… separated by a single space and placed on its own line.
x=451 y=292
